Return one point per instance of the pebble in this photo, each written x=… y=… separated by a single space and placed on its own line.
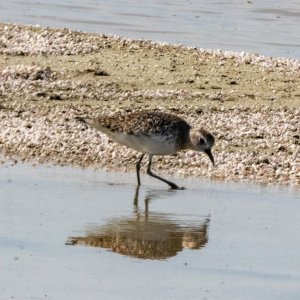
x=65 y=142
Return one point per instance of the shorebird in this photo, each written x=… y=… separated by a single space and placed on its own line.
x=153 y=133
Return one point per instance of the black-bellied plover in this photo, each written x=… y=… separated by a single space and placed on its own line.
x=153 y=133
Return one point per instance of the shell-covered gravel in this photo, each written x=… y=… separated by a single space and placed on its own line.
x=47 y=77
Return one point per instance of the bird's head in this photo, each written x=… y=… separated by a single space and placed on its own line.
x=202 y=141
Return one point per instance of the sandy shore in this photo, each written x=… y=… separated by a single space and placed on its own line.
x=47 y=77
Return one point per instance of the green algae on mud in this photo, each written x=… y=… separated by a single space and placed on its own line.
x=130 y=66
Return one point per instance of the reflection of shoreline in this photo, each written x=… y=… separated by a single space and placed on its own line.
x=145 y=235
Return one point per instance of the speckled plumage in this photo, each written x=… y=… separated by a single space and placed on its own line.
x=153 y=133
x=145 y=124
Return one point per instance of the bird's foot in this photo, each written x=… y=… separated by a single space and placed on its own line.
x=176 y=187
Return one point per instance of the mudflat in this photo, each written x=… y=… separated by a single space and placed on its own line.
x=251 y=103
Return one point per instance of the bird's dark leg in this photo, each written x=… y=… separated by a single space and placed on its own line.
x=136 y=197
x=149 y=172
x=138 y=167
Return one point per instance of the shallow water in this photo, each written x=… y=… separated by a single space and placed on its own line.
x=266 y=27
x=81 y=234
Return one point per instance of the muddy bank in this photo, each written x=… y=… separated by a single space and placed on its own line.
x=47 y=77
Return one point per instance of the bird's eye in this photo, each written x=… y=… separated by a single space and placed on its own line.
x=201 y=141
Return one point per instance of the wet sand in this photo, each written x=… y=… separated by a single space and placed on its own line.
x=47 y=77
x=211 y=241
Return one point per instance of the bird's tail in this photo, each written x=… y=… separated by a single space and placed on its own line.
x=90 y=122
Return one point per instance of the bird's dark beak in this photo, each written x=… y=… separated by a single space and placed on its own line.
x=208 y=152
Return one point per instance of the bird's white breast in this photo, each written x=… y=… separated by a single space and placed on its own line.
x=154 y=144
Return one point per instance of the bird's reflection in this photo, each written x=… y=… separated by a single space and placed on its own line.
x=146 y=234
